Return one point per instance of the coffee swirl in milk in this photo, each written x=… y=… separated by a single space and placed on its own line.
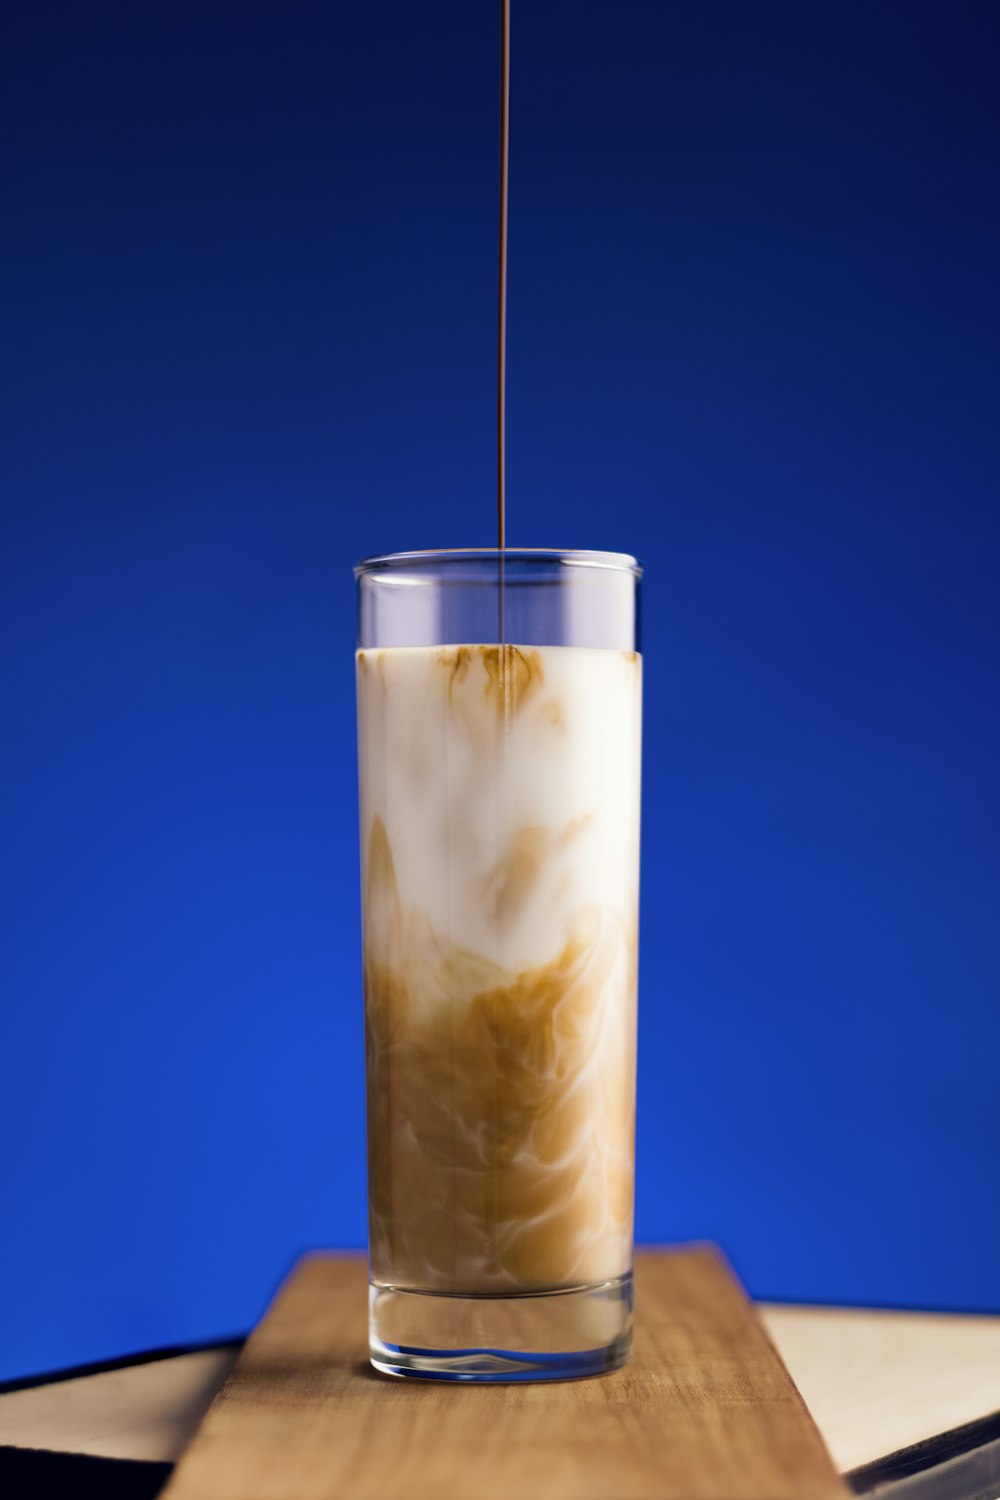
x=500 y=838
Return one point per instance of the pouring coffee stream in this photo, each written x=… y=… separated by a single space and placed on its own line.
x=502 y=311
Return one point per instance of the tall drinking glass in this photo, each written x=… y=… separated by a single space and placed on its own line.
x=500 y=878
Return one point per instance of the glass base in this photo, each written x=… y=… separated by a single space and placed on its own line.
x=537 y=1336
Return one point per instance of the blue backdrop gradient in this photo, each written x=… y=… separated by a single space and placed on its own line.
x=249 y=258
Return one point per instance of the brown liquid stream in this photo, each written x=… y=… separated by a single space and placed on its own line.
x=502 y=309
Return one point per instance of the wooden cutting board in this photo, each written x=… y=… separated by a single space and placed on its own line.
x=705 y=1410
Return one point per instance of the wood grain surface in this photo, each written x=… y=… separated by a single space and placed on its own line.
x=705 y=1410
x=875 y=1381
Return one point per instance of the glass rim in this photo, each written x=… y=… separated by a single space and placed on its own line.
x=621 y=562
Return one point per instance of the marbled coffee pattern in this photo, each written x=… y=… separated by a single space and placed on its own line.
x=500 y=823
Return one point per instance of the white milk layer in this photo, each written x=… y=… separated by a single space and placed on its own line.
x=502 y=832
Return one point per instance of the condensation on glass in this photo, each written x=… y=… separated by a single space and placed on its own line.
x=499 y=705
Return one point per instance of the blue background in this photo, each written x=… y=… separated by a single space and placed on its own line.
x=249 y=258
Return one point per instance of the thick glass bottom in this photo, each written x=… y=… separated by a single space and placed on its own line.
x=537 y=1336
